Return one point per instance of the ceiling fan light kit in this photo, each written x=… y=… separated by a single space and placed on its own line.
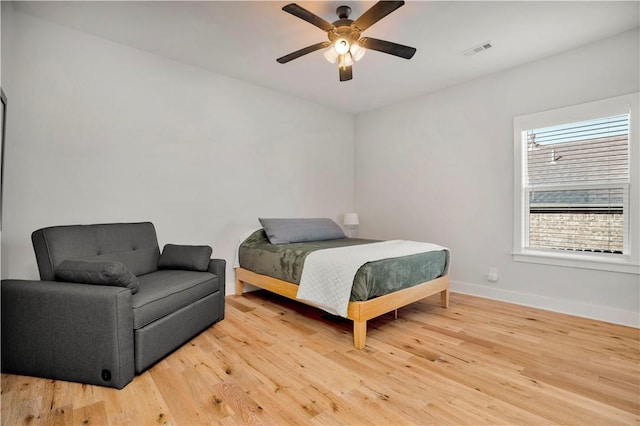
x=345 y=46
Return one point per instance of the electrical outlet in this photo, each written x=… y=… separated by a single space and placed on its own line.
x=492 y=275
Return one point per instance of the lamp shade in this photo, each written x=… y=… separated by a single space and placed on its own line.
x=351 y=219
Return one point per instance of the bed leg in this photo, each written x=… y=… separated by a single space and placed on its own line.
x=359 y=334
x=395 y=314
x=239 y=287
x=444 y=298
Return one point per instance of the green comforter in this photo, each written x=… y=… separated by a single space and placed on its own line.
x=373 y=279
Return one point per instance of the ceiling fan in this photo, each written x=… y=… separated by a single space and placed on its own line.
x=345 y=44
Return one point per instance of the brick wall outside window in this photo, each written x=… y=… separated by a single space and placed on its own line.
x=577 y=231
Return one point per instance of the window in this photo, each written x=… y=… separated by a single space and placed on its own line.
x=576 y=201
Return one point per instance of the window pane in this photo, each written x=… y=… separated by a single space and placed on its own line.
x=588 y=151
x=583 y=220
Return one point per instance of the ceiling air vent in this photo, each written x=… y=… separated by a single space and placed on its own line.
x=477 y=49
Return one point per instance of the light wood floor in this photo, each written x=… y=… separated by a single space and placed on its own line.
x=273 y=361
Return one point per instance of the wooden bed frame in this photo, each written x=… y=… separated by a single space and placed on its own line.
x=358 y=312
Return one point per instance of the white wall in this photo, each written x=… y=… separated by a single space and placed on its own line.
x=100 y=132
x=6 y=46
x=440 y=168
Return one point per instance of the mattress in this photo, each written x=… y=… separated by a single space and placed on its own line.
x=373 y=279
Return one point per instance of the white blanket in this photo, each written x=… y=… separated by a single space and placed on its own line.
x=327 y=275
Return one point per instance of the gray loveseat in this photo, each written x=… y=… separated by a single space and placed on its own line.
x=139 y=307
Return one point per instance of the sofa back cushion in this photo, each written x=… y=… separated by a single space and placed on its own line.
x=135 y=245
x=188 y=258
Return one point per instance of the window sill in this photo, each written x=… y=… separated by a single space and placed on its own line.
x=621 y=263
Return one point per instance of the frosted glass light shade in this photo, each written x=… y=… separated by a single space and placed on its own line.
x=341 y=45
x=331 y=55
x=357 y=51
x=345 y=60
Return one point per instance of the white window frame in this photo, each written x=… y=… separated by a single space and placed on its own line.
x=626 y=263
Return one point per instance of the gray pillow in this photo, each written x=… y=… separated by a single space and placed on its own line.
x=282 y=231
x=190 y=258
x=97 y=272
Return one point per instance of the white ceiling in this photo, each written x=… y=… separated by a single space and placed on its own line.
x=242 y=39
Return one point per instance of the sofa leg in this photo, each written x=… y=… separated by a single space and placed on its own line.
x=239 y=287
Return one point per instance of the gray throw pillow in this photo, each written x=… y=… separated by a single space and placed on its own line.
x=190 y=258
x=97 y=272
x=297 y=230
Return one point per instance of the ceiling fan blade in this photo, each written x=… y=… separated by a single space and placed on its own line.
x=310 y=17
x=302 y=52
x=346 y=73
x=376 y=13
x=387 y=47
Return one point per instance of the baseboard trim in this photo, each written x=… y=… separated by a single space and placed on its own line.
x=230 y=289
x=601 y=313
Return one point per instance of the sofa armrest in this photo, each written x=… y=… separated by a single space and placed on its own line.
x=218 y=267
x=67 y=331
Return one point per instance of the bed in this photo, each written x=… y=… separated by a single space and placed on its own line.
x=268 y=261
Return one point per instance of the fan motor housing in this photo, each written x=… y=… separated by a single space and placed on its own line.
x=343 y=29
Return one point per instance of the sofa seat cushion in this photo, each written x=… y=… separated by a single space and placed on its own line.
x=163 y=292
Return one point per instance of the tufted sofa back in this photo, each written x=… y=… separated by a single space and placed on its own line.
x=133 y=244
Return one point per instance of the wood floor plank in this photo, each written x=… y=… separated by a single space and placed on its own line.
x=280 y=405
x=176 y=393
x=92 y=414
x=275 y=361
